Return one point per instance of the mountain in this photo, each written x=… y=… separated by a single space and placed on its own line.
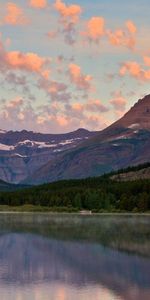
x=22 y=153
x=124 y=143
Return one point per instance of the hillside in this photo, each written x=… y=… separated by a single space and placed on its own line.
x=131 y=174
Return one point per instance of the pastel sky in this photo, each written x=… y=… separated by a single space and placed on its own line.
x=66 y=64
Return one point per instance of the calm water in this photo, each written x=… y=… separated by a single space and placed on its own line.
x=72 y=257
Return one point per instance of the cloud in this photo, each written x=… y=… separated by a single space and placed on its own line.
x=147 y=60
x=18 y=82
x=94 y=29
x=15 y=103
x=95 y=105
x=14 y=15
x=82 y=82
x=12 y=78
x=69 y=32
x=25 y=61
x=62 y=120
x=119 y=103
x=71 y=12
x=52 y=34
x=131 y=27
x=79 y=110
x=69 y=16
x=88 y=114
x=29 y=62
x=131 y=67
x=79 y=107
x=22 y=72
x=38 y=3
x=136 y=70
x=56 y=87
x=95 y=122
x=17 y=112
x=56 y=91
x=123 y=37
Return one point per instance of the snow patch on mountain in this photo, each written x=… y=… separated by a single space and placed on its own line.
x=6 y=147
x=134 y=126
x=2 y=131
x=40 y=145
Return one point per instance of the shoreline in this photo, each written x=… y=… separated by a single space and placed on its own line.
x=74 y=213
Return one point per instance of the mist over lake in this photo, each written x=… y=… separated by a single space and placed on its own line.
x=53 y=256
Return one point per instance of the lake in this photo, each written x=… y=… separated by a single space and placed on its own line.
x=74 y=257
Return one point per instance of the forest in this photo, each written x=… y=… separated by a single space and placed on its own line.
x=100 y=194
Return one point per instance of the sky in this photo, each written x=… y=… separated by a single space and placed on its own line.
x=69 y=64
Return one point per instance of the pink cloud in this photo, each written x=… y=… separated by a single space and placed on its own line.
x=95 y=122
x=62 y=120
x=82 y=82
x=136 y=70
x=123 y=37
x=52 y=34
x=29 y=62
x=15 y=102
x=15 y=15
x=69 y=16
x=131 y=67
x=88 y=114
x=95 y=105
x=72 y=11
x=131 y=27
x=147 y=60
x=19 y=114
x=119 y=104
x=78 y=107
x=38 y=3
x=57 y=91
x=12 y=110
x=94 y=29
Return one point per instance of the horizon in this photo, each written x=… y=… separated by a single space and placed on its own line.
x=44 y=132
x=71 y=64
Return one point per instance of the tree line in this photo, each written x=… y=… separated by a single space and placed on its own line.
x=96 y=194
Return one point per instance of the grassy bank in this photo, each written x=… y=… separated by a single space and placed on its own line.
x=36 y=208
x=46 y=209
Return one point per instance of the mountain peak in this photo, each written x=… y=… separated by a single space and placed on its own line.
x=82 y=130
x=138 y=116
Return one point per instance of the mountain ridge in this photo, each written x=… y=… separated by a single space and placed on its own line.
x=22 y=152
x=126 y=142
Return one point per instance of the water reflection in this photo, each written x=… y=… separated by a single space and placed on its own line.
x=39 y=268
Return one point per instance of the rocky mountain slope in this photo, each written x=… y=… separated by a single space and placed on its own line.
x=124 y=143
x=22 y=153
x=131 y=175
